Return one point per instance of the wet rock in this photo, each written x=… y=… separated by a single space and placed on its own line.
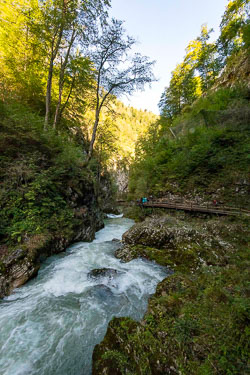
x=16 y=269
x=15 y=256
x=159 y=232
x=99 y=273
x=126 y=254
x=112 y=210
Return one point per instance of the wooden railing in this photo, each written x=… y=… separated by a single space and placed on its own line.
x=193 y=206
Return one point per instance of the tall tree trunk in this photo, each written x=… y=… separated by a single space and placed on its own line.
x=48 y=92
x=67 y=100
x=99 y=166
x=91 y=146
x=61 y=80
x=56 y=118
x=53 y=55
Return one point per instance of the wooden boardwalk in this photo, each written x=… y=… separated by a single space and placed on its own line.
x=194 y=207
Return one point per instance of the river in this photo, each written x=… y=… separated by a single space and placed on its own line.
x=51 y=325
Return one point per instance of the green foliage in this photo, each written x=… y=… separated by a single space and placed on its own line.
x=194 y=76
x=210 y=149
x=117 y=134
x=204 y=61
x=36 y=169
x=45 y=49
x=137 y=213
x=41 y=48
x=234 y=27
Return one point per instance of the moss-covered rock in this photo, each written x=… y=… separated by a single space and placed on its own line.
x=113 y=360
x=176 y=243
x=195 y=312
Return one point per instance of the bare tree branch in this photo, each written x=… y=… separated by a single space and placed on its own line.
x=117 y=72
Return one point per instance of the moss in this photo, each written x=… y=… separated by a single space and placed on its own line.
x=188 y=328
x=2 y=267
x=114 y=361
x=194 y=314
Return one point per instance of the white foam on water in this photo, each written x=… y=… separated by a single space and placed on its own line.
x=51 y=325
x=112 y=216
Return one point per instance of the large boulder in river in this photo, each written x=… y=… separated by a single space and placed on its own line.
x=161 y=232
x=99 y=273
x=175 y=243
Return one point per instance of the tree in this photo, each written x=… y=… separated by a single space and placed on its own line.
x=75 y=81
x=194 y=76
x=64 y=24
x=207 y=64
x=183 y=89
x=20 y=51
x=40 y=58
x=234 y=28
x=117 y=72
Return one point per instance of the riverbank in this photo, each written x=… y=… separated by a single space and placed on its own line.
x=47 y=198
x=196 y=311
x=20 y=263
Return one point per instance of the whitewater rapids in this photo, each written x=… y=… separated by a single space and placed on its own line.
x=51 y=325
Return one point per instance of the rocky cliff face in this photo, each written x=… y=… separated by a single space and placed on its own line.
x=122 y=177
x=21 y=263
x=236 y=72
x=107 y=194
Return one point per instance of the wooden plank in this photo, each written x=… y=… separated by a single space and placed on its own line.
x=223 y=210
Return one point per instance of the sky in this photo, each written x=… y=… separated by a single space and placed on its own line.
x=163 y=29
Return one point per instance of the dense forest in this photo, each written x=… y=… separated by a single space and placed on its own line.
x=200 y=143
x=68 y=146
